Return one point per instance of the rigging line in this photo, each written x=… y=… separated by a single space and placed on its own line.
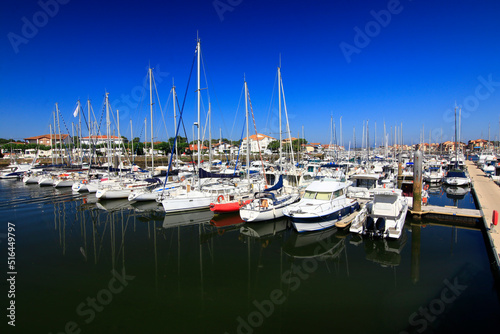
x=215 y=94
x=138 y=107
x=162 y=114
x=288 y=128
x=237 y=109
x=257 y=139
x=159 y=103
x=178 y=125
x=269 y=112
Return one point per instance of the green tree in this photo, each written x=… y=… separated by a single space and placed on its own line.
x=274 y=146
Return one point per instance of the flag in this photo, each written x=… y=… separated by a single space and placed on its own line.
x=75 y=113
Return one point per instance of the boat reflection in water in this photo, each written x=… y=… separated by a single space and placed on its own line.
x=265 y=229
x=326 y=244
x=225 y=220
x=455 y=192
x=385 y=252
x=187 y=218
x=113 y=205
x=147 y=206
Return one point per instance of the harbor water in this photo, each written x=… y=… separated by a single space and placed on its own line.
x=113 y=267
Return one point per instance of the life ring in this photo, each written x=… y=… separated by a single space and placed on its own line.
x=271 y=169
x=220 y=198
x=183 y=179
x=264 y=203
x=426 y=187
x=84 y=181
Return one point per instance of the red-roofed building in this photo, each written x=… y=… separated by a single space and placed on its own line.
x=46 y=139
x=193 y=147
x=257 y=141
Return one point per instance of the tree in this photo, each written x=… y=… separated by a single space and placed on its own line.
x=125 y=139
x=274 y=146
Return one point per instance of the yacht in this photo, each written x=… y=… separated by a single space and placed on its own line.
x=383 y=217
x=322 y=205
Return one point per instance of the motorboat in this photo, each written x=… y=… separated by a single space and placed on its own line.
x=457 y=177
x=323 y=204
x=383 y=217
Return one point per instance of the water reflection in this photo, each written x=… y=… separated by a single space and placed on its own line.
x=261 y=230
x=199 y=266
x=322 y=245
x=187 y=218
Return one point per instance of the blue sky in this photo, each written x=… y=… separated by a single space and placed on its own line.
x=404 y=62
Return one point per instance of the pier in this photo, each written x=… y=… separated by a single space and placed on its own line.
x=487 y=195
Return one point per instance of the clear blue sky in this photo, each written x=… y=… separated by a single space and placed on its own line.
x=408 y=68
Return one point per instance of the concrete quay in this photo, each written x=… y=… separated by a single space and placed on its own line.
x=487 y=194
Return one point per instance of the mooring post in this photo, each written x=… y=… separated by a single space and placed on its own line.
x=417 y=182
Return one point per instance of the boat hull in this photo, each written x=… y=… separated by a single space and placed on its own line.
x=232 y=206
x=309 y=223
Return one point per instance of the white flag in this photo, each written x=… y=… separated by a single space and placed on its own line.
x=76 y=111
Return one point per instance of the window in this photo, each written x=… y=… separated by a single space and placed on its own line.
x=323 y=196
x=309 y=195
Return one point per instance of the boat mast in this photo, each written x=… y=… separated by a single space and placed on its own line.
x=199 y=98
x=456 y=131
x=80 y=133
x=174 y=97
x=51 y=149
x=59 y=130
x=90 y=134
x=108 y=130
x=151 y=107
x=145 y=141
x=248 y=132
x=132 y=141
x=279 y=112
x=210 y=135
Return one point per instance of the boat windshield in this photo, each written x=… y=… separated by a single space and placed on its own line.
x=455 y=174
x=323 y=196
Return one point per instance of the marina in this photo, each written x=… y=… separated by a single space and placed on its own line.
x=247 y=167
x=205 y=266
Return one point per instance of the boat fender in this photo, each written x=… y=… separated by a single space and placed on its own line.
x=220 y=198
x=494 y=217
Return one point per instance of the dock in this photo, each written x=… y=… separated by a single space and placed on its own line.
x=468 y=218
x=487 y=195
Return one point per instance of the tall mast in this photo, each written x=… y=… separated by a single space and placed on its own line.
x=51 y=150
x=55 y=137
x=175 y=123
x=132 y=141
x=145 y=141
x=199 y=98
x=90 y=132
x=248 y=132
x=279 y=112
x=119 y=136
x=59 y=130
x=456 y=138
x=151 y=107
x=108 y=130
x=210 y=134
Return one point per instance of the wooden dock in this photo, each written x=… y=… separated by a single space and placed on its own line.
x=487 y=194
x=466 y=218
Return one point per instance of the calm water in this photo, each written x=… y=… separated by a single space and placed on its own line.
x=115 y=268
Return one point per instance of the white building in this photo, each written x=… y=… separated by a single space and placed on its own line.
x=257 y=141
x=98 y=140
